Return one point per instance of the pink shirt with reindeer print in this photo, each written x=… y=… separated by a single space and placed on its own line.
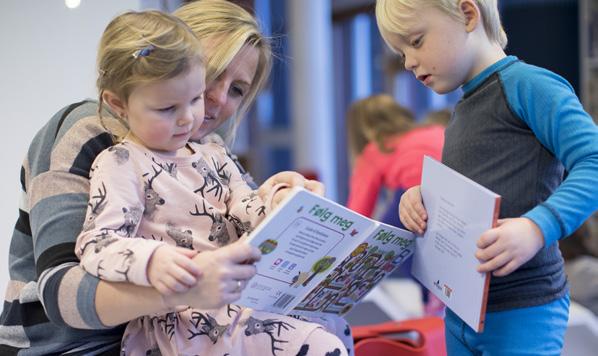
x=199 y=202
x=139 y=200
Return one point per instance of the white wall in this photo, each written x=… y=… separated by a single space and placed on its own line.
x=47 y=60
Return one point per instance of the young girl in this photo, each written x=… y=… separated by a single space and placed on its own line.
x=387 y=149
x=156 y=199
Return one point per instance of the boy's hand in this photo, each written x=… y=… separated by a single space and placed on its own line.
x=411 y=210
x=509 y=245
x=172 y=270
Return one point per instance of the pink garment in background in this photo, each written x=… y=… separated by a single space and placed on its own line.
x=400 y=169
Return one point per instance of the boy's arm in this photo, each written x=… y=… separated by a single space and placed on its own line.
x=549 y=106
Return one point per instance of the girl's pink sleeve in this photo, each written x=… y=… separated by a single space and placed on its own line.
x=108 y=246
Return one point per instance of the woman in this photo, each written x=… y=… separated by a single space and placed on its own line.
x=51 y=304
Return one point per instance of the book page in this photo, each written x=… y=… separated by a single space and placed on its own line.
x=376 y=257
x=301 y=242
x=459 y=211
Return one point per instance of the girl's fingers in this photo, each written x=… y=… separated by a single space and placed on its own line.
x=315 y=186
x=189 y=266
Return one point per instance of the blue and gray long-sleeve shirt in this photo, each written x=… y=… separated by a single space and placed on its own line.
x=516 y=131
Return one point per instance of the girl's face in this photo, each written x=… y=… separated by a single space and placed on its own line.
x=224 y=95
x=437 y=49
x=164 y=115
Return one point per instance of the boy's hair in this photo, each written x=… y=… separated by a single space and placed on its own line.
x=393 y=16
x=233 y=28
x=375 y=119
x=144 y=47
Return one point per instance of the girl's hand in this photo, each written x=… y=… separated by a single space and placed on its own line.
x=412 y=211
x=290 y=179
x=172 y=270
x=506 y=247
x=226 y=272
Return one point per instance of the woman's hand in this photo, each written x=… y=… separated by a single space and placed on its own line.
x=225 y=273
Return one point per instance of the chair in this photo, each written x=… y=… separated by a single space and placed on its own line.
x=413 y=337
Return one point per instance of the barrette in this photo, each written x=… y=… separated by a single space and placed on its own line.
x=144 y=52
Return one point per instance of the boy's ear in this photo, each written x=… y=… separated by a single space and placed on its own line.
x=115 y=103
x=471 y=13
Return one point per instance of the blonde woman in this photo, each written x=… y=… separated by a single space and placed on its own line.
x=51 y=304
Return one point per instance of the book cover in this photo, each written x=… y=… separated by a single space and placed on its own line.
x=320 y=256
x=459 y=211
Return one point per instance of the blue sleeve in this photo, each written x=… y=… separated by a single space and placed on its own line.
x=548 y=105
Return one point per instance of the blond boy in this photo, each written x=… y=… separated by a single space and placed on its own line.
x=516 y=131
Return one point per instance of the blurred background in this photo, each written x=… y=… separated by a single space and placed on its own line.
x=328 y=54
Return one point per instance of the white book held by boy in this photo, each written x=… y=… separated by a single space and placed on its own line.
x=459 y=211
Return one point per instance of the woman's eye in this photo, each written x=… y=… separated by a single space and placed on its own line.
x=237 y=91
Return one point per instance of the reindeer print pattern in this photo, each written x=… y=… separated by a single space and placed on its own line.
x=169 y=167
x=182 y=238
x=271 y=327
x=218 y=231
x=95 y=206
x=121 y=154
x=205 y=324
x=144 y=200
x=241 y=227
x=152 y=198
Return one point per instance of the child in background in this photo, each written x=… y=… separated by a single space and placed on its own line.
x=386 y=150
x=156 y=199
x=515 y=131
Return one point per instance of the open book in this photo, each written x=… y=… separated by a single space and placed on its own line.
x=459 y=211
x=318 y=256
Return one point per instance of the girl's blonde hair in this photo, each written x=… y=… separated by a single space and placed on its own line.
x=376 y=119
x=141 y=48
x=393 y=16
x=233 y=28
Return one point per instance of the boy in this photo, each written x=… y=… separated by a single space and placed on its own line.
x=515 y=131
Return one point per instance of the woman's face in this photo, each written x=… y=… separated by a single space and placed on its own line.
x=224 y=95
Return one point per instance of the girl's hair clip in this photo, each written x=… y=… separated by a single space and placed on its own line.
x=144 y=52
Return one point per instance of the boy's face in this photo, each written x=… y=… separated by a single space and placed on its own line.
x=437 y=49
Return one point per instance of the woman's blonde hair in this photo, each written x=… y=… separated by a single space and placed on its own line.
x=233 y=27
x=144 y=47
x=376 y=119
x=393 y=16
